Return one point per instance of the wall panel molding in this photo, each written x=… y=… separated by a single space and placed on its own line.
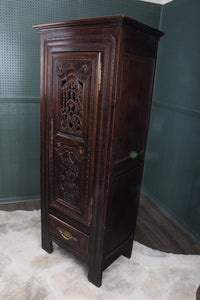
x=162 y=2
x=19 y=199
x=181 y=109
x=19 y=100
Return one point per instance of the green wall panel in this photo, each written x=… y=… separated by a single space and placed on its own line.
x=179 y=51
x=20 y=80
x=172 y=165
x=145 y=12
x=20 y=43
x=19 y=148
x=172 y=177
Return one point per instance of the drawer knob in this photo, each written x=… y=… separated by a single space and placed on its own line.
x=66 y=234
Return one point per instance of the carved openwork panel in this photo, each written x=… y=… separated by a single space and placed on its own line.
x=73 y=75
x=69 y=177
x=71 y=107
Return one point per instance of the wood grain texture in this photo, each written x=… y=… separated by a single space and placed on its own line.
x=96 y=89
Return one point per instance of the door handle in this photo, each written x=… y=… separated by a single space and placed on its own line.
x=134 y=154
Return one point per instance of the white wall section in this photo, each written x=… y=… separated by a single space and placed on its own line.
x=158 y=1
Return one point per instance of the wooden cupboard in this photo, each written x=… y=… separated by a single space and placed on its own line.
x=96 y=89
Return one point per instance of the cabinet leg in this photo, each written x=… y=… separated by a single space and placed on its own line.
x=47 y=246
x=95 y=277
x=128 y=252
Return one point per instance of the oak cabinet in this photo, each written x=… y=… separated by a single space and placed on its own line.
x=96 y=88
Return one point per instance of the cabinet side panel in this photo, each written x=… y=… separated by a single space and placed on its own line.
x=128 y=158
x=140 y=43
x=134 y=109
x=123 y=209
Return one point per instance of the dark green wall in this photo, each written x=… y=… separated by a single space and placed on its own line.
x=172 y=166
x=19 y=80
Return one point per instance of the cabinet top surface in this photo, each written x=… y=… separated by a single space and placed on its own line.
x=108 y=21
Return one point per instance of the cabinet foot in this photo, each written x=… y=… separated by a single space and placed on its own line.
x=128 y=252
x=95 y=277
x=47 y=246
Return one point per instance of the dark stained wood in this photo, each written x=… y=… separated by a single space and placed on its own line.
x=71 y=237
x=108 y=21
x=74 y=92
x=96 y=89
x=198 y=294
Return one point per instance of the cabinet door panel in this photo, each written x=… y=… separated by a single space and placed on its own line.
x=74 y=114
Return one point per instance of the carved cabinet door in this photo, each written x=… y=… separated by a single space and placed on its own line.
x=73 y=119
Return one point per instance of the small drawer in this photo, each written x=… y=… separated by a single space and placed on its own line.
x=69 y=237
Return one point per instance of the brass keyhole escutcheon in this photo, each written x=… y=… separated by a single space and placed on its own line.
x=58 y=144
x=81 y=150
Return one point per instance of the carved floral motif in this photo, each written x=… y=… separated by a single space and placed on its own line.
x=73 y=74
x=71 y=107
x=69 y=172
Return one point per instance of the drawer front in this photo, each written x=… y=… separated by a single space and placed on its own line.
x=69 y=237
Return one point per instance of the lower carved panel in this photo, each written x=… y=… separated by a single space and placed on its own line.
x=69 y=171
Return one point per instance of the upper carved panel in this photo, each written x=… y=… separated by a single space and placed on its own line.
x=73 y=75
x=71 y=107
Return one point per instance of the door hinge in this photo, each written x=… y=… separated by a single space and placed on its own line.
x=91 y=208
x=51 y=135
x=99 y=77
